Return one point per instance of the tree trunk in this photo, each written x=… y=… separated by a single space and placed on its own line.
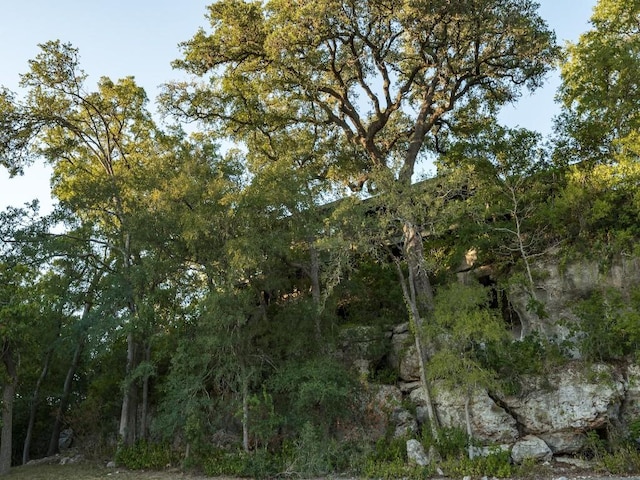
x=33 y=408
x=315 y=288
x=127 y=414
x=467 y=419
x=245 y=413
x=418 y=295
x=8 y=397
x=64 y=400
x=144 y=415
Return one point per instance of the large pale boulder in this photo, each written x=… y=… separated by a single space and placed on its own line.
x=572 y=400
x=568 y=441
x=416 y=453
x=490 y=423
x=530 y=448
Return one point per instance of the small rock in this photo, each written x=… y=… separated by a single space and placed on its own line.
x=416 y=453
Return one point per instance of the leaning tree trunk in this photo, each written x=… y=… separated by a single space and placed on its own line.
x=8 y=397
x=64 y=400
x=33 y=408
x=418 y=295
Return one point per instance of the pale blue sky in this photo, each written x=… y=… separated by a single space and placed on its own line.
x=117 y=38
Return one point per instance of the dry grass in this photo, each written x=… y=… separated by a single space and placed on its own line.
x=87 y=471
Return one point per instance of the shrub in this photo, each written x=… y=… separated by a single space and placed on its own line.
x=146 y=455
x=609 y=326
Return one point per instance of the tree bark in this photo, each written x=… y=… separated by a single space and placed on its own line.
x=144 y=414
x=8 y=397
x=33 y=408
x=467 y=419
x=315 y=288
x=245 y=413
x=127 y=414
x=64 y=400
x=418 y=295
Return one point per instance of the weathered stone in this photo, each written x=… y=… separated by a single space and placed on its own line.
x=379 y=405
x=530 y=448
x=564 y=441
x=65 y=439
x=569 y=400
x=576 y=462
x=416 y=454
x=362 y=343
x=408 y=387
x=561 y=285
x=630 y=410
x=405 y=424
x=490 y=423
x=409 y=367
x=490 y=450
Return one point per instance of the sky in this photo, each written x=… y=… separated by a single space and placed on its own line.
x=119 y=38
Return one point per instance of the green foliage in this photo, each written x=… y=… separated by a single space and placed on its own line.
x=616 y=456
x=533 y=355
x=497 y=464
x=146 y=455
x=609 y=326
x=452 y=443
x=394 y=470
x=463 y=325
x=624 y=460
x=222 y=463
x=318 y=391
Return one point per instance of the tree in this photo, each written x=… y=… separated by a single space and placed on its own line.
x=18 y=321
x=514 y=187
x=380 y=81
x=599 y=127
x=101 y=145
x=600 y=90
x=463 y=325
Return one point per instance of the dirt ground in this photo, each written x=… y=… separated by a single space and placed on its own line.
x=90 y=471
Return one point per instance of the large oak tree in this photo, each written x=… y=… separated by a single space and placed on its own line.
x=379 y=81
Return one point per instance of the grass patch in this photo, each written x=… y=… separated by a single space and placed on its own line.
x=88 y=471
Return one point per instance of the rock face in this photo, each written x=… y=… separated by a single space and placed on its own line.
x=530 y=448
x=490 y=423
x=560 y=286
x=569 y=399
x=553 y=413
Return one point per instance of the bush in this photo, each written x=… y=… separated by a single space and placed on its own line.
x=623 y=461
x=514 y=359
x=146 y=455
x=319 y=391
x=496 y=464
x=610 y=326
x=258 y=464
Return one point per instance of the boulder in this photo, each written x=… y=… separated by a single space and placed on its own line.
x=630 y=410
x=560 y=285
x=568 y=441
x=361 y=346
x=380 y=404
x=404 y=423
x=530 y=448
x=573 y=399
x=416 y=454
x=490 y=423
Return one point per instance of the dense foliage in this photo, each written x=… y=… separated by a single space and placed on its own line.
x=195 y=305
